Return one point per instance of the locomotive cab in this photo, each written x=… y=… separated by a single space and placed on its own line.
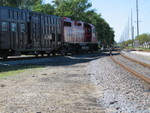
x=79 y=36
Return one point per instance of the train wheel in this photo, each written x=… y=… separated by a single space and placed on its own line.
x=48 y=54
x=36 y=55
x=53 y=53
x=5 y=56
x=73 y=53
x=42 y=54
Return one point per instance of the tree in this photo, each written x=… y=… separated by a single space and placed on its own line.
x=2 y=2
x=29 y=4
x=143 y=38
x=128 y=42
x=71 y=8
x=22 y=4
x=11 y=3
x=44 y=8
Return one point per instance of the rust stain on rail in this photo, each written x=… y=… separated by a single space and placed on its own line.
x=146 y=79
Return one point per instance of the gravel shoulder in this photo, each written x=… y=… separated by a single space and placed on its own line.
x=90 y=83
x=122 y=92
x=53 y=89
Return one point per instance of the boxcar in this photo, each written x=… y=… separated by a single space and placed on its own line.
x=26 y=32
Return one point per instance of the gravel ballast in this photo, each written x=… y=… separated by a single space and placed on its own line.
x=122 y=92
x=90 y=83
x=133 y=65
x=137 y=55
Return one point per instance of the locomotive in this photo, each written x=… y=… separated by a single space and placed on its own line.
x=25 y=32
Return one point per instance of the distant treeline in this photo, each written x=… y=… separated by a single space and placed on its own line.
x=143 y=38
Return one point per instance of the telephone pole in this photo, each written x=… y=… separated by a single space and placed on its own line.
x=132 y=27
x=137 y=11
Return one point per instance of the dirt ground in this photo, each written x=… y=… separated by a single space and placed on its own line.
x=53 y=89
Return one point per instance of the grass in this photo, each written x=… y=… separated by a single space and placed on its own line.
x=144 y=48
x=15 y=70
x=130 y=47
x=11 y=73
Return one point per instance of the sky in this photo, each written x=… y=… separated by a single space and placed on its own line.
x=117 y=14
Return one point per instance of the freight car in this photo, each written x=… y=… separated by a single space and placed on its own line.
x=32 y=33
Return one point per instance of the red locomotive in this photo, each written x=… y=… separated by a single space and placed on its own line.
x=27 y=32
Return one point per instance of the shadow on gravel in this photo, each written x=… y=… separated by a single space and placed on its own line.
x=7 y=66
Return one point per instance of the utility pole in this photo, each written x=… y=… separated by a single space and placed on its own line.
x=128 y=29
x=132 y=27
x=137 y=11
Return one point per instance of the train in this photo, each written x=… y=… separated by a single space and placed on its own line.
x=24 y=32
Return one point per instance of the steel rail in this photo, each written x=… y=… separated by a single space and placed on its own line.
x=139 y=62
x=146 y=79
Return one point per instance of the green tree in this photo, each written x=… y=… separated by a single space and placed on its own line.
x=71 y=8
x=128 y=42
x=57 y=2
x=22 y=4
x=143 y=38
x=29 y=4
x=11 y=3
x=44 y=8
x=2 y=2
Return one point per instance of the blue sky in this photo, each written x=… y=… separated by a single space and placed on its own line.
x=118 y=12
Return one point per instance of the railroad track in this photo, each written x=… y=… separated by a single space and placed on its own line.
x=144 y=64
x=142 y=75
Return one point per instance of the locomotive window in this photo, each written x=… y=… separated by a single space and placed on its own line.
x=13 y=27
x=4 y=26
x=23 y=28
x=89 y=30
x=67 y=24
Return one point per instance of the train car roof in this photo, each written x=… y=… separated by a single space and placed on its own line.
x=28 y=11
x=70 y=20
